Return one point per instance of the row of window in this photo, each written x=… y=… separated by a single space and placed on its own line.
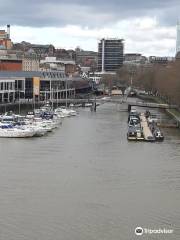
x=53 y=75
x=7 y=86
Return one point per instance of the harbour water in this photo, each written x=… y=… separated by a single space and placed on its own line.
x=87 y=182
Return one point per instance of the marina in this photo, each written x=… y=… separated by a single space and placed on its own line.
x=34 y=124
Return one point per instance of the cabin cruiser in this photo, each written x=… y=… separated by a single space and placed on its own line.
x=63 y=112
x=9 y=117
x=78 y=105
x=72 y=112
x=30 y=115
x=29 y=124
x=9 y=131
x=88 y=104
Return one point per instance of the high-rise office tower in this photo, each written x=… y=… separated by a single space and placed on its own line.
x=178 y=38
x=110 y=54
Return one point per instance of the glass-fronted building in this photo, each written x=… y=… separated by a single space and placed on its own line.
x=178 y=38
x=110 y=55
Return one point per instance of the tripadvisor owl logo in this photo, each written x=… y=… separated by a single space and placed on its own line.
x=139 y=231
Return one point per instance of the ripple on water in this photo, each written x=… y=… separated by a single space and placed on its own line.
x=86 y=181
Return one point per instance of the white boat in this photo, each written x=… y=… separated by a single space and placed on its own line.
x=71 y=105
x=63 y=112
x=78 y=105
x=30 y=115
x=88 y=104
x=72 y=112
x=38 y=130
x=43 y=124
x=8 y=131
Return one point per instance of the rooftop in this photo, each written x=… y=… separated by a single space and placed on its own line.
x=31 y=74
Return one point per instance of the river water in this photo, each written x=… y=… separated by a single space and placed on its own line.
x=87 y=182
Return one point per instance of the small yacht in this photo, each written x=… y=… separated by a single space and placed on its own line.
x=88 y=104
x=9 y=131
x=64 y=112
x=72 y=112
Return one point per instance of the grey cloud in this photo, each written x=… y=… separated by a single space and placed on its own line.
x=42 y=13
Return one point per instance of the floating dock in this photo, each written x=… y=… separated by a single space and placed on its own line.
x=148 y=136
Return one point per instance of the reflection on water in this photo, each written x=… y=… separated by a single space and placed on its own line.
x=85 y=181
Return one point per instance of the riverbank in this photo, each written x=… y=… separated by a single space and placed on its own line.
x=172 y=112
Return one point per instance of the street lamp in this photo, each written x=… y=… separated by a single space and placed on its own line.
x=66 y=91
x=19 y=102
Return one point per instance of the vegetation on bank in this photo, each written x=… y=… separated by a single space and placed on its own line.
x=162 y=82
x=159 y=80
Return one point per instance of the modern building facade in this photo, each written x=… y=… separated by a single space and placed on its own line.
x=39 y=85
x=110 y=54
x=178 y=38
x=160 y=60
x=33 y=85
x=134 y=59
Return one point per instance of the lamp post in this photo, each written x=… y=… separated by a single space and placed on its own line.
x=52 y=98
x=57 y=96
x=66 y=92
x=19 y=102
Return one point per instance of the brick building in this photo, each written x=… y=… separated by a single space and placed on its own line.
x=10 y=65
x=5 y=41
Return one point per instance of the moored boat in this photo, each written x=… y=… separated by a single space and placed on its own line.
x=9 y=131
x=158 y=135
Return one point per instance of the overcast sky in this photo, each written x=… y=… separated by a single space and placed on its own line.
x=147 y=26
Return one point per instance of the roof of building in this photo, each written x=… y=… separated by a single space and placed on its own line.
x=26 y=74
x=41 y=46
x=31 y=74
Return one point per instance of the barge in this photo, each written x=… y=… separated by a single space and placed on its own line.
x=143 y=127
